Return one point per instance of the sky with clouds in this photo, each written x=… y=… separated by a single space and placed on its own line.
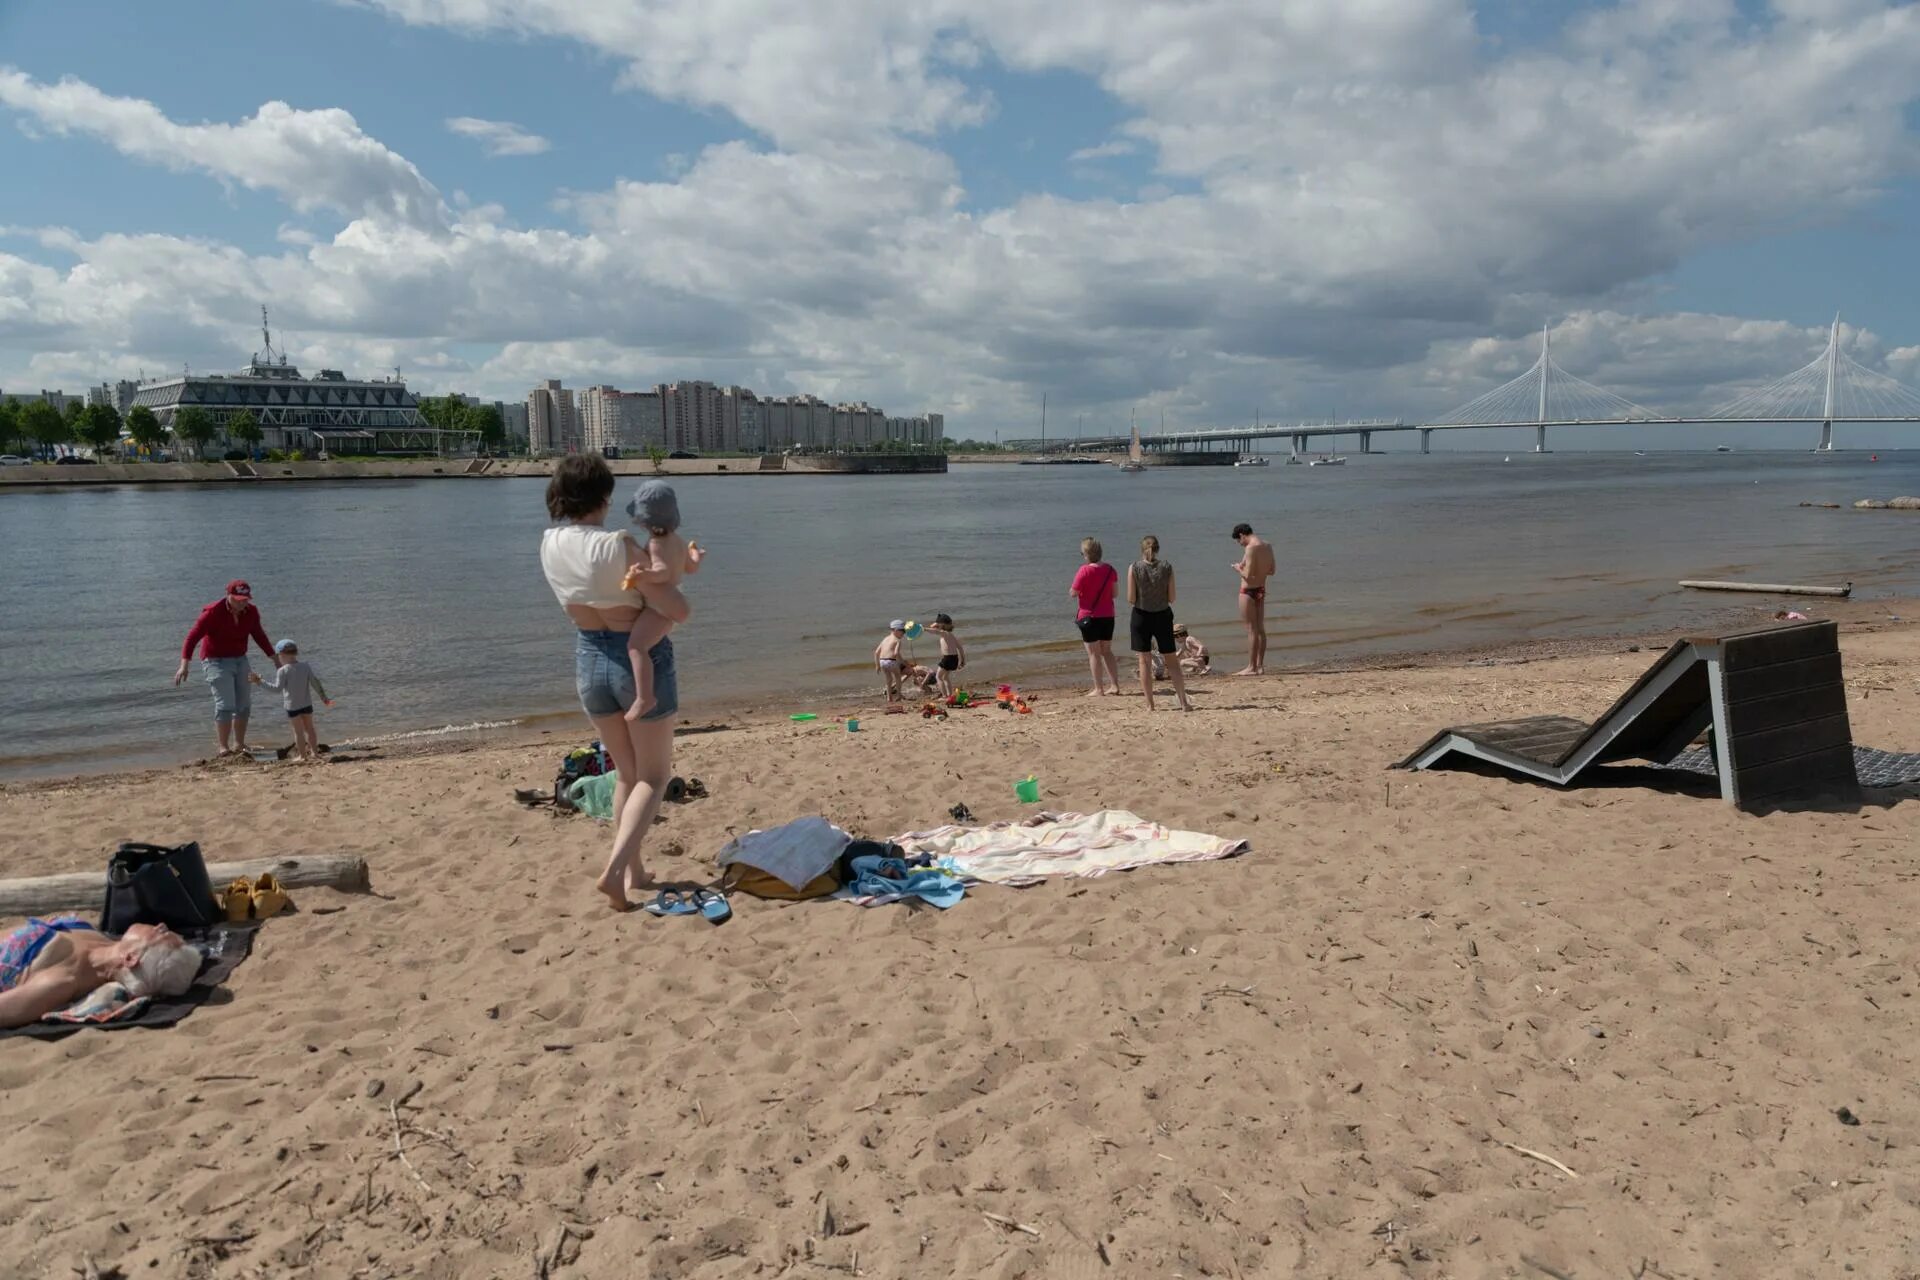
x=1202 y=209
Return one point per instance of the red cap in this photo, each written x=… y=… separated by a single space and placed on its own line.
x=239 y=587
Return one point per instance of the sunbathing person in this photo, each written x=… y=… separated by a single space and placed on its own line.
x=46 y=965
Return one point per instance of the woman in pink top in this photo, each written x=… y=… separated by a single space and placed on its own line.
x=1093 y=588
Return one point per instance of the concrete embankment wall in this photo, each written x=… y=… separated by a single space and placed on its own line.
x=40 y=475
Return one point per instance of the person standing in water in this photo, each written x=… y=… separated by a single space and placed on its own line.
x=222 y=631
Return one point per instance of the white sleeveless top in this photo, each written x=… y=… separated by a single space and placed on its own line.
x=585 y=565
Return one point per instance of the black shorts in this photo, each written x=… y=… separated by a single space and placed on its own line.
x=1151 y=630
x=949 y=662
x=304 y=711
x=1095 y=630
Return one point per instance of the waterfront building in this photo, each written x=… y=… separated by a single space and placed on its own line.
x=630 y=421
x=328 y=412
x=702 y=417
x=514 y=418
x=553 y=426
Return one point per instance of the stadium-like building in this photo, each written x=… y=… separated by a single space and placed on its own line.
x=329 y=412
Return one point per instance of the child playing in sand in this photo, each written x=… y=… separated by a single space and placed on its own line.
x=886 y=656
x=297 y=682
x=953 y=654
x=1193 y=656
x=655 y=509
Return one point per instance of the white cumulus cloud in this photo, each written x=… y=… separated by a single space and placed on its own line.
x=1365 y=205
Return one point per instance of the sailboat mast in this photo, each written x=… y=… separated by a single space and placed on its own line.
x=1043 y=422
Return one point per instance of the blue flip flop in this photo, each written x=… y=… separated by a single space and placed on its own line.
x=670 y=902
x=713 y=905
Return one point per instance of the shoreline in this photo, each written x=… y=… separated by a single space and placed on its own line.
x=1064 y=678
x=41 y=476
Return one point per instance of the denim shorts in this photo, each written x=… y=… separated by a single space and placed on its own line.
x=604 y=677
x=232 y=695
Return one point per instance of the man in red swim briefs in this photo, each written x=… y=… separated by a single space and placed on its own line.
x=1254 y=568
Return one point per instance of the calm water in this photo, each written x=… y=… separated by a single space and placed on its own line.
x=422 y=603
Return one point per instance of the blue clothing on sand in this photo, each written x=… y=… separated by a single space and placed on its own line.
x=891 y=877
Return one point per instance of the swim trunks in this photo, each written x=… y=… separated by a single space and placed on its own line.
x=1254 y=593
x=949 y=662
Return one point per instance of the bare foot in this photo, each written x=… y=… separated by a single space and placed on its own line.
x=640 y=707
x=1185 y=705
x=1248 y=671
x=615 y=895
x=1098 y=693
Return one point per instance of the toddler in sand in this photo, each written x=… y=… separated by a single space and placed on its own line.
x=886 y=656
x=953 y=654
x=668 y=556
x=297 y=682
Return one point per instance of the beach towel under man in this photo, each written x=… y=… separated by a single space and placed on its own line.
x=1772 y=701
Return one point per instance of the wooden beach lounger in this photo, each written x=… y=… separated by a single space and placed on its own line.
x=1773 y=701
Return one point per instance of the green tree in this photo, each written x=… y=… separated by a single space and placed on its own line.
x=443 y=413
x=485 y=419
x=11 y=433
x=100 y=426
x=42 y=423
x=244 y=427
x=658 y=457
x=145 y=428
x=194 y=426
x=72 y=415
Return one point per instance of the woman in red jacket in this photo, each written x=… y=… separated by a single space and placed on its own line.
x=222 y=631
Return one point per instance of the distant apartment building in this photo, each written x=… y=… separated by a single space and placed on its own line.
x=117 y=394
x=58 y=399
x=702 y=417
x=514 y=418
x=631 y=421
x=553 y=425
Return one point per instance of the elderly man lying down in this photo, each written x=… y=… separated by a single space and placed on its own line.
x=46 y=965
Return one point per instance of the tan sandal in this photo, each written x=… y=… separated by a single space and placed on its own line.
x=269 y=899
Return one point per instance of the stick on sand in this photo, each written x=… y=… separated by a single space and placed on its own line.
x=1531 y=1154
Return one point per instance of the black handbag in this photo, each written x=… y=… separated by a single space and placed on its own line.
x=154 y=884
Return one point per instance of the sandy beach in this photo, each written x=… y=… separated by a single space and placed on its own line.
x=1429 y=1025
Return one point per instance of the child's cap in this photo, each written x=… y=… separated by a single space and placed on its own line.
x=1179 y=628
x=286 y=646
x=655 y=506
x=896 y=625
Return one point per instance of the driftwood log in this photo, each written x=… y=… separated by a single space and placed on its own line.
x=1769 y=588
x=85 y=890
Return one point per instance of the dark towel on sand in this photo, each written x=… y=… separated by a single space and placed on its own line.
x=235 y=943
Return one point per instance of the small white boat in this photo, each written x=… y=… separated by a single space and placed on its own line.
x=1251 y=460
x=1329 y=461
x=1133 y=462
x=1508 y=458
x=1723 y=448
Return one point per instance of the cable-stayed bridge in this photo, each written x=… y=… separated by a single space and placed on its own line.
x=1834 y=387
